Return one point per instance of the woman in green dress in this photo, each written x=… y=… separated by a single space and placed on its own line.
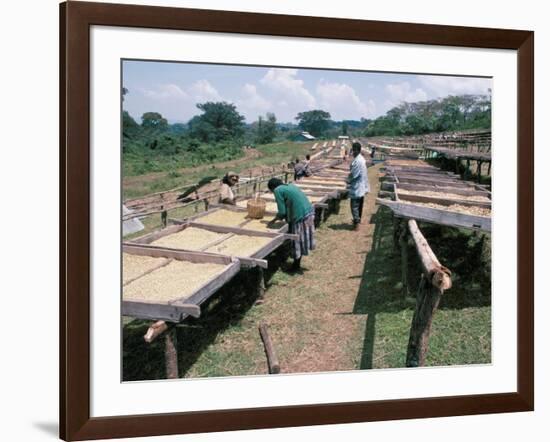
x=294 y=206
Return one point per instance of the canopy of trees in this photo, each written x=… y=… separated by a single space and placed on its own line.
x=219 y=121
x=266 y=129
x=445 y=114
x=153 y=120
x=315 y=122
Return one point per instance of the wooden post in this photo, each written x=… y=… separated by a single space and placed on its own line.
x=467 y=172
x=206 y=204
x=404 y=242
x=164 y=217
x=489 y=169
x=396 y=232
x=171 y=353
x=479 y=171
x=426 y=304
x=435 y=280
x=260 y=282
x=272 y=360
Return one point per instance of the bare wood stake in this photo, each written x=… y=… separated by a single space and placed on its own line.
x=171 y=353
x=154 y=331
x=272 y=361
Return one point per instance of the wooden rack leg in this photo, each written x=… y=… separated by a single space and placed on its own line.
x=171 y=353
x=426 y=304
x=260 y=282
x=396 y=232
x=404 y=242
x=272 y=360
x=337 y=206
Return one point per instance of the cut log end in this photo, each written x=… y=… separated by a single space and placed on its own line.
x=441 y=279
x=154 y=331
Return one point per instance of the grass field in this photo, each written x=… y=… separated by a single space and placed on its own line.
x=345 y=311
x=267 y=155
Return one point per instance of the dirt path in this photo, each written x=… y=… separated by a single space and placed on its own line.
x=311 y=315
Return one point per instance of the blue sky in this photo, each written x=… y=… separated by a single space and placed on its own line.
x=174 y=89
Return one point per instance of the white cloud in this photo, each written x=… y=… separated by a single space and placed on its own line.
x=252 y=103
x=202 y=91
x=342 y=101
x=289 y=88
x=403 y=92
x=165 y=92
x=175 y=102
x=441 y=86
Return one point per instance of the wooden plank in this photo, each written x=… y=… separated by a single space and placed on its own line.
x=441 y=200
x=203 y=256
x=443 y=179
x=454 y=184
x=272 y=360
x=153 y=236
x=183 y=255
x=437 y=216
x=153 y=310
x=442 y=189
x=237 y=208
x=237 y=230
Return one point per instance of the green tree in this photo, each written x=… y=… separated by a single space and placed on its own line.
x=266 y=130
x=315 y=122
x=344 y=128
x=219 y=121
x=446 y=114
x=153 y=120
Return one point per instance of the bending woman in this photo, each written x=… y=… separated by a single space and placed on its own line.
x=294 y=207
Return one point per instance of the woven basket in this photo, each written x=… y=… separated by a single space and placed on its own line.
x=256 y=207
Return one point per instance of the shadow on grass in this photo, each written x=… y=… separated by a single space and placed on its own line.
x=467 y=254
x=342 y=226
x=142 y=361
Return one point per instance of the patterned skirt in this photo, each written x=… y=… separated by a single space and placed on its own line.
x=305 y=230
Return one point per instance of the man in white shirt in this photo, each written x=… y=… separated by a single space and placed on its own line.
x=358 y=184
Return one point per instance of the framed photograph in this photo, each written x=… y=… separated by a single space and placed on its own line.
x=275 y=220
